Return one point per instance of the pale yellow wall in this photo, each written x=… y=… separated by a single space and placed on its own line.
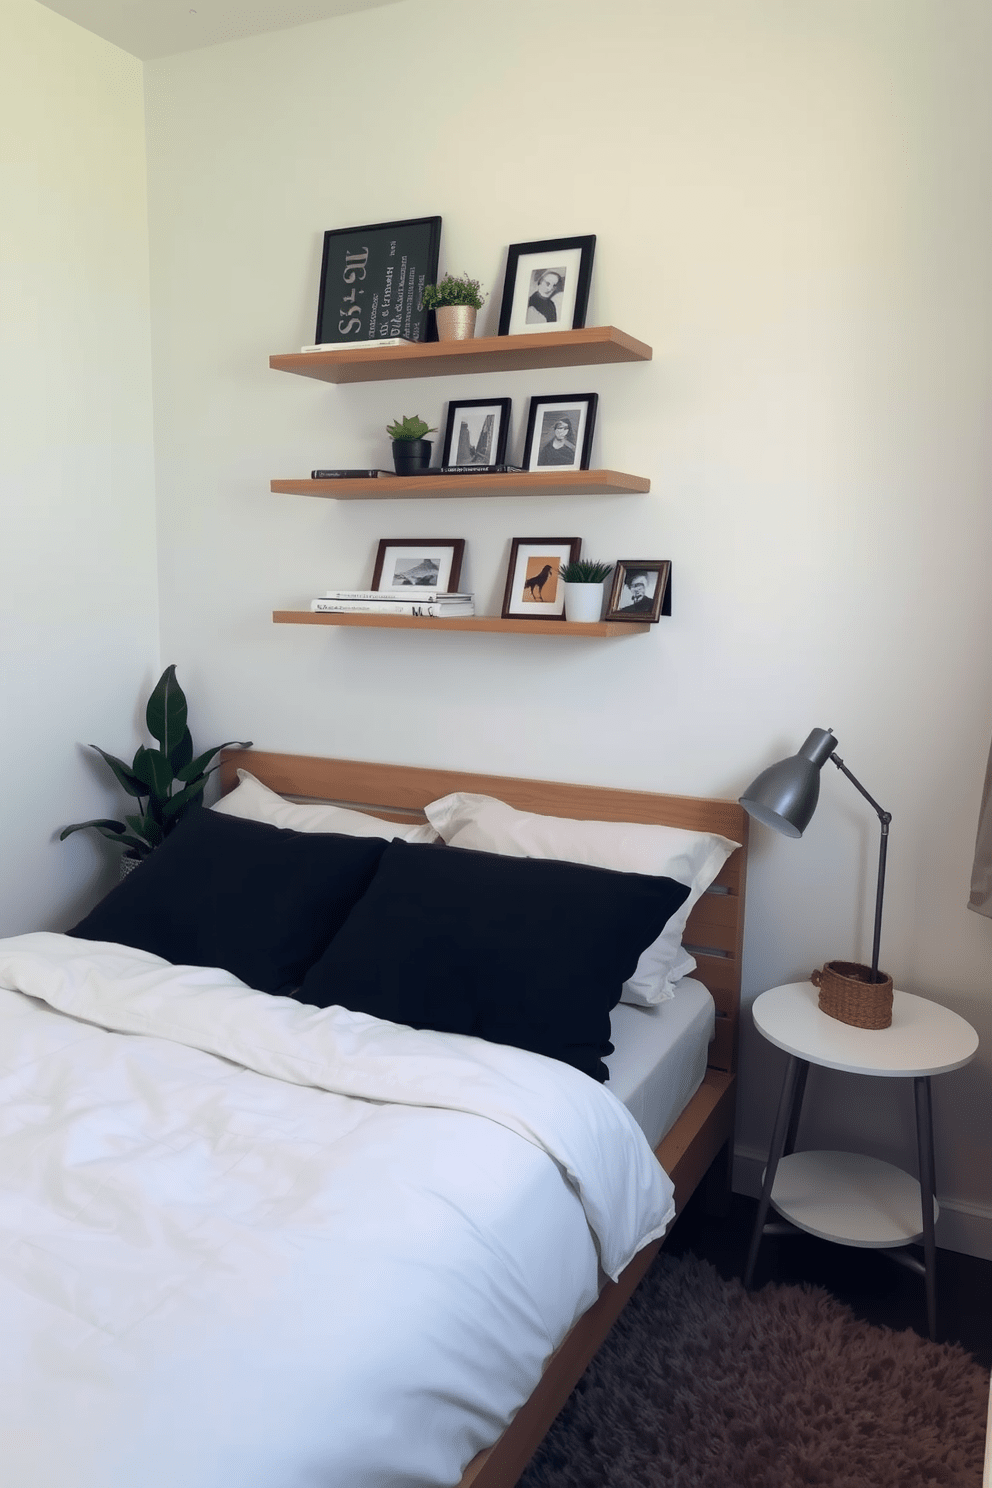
x=79 y=593
x=791 y=204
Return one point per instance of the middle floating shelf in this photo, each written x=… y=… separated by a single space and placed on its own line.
x=517 y=483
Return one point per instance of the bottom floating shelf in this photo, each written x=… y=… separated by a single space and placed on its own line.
x=608 y=628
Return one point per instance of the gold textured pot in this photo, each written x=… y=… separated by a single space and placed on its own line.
x=455 y=322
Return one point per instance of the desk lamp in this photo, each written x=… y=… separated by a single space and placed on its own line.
x=784 y=797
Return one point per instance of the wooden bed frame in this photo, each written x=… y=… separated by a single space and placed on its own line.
x=702 y=1137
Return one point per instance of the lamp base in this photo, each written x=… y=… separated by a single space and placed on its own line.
x=848 y=994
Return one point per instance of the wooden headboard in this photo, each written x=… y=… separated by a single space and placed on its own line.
x=715 y=931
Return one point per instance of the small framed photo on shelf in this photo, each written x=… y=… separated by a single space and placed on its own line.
x=546 y=287
x=419 y=563
x=559 y=432
x=372 y=279
x=641 y=590
x=534 y=590
x=476 y=432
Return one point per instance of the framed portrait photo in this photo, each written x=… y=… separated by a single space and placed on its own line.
x=534 y=590
x=476 y=432
x=419 y=563
x=372 y=281
x=559 y=432
x=546 y=286
x=641 y=590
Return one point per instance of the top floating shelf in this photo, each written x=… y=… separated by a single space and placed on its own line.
x=589 y=347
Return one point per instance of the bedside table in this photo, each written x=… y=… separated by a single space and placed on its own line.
x=841 y=1196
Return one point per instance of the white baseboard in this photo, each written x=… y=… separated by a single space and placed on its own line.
x=962 y=1226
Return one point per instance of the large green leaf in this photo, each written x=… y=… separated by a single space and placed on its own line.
x=165 y=714
x=177 y=806
x=108 y=828
x=182 y=753
x=153 y=769
x=147 y=827
x=195 y=767
x=124 y=773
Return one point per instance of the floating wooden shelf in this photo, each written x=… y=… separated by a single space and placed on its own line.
x=590 y=347
x=470 y=622
x=520 y=483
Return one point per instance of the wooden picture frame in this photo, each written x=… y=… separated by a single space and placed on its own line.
x=559 y=431
x=641 y=590
x=419 y=563
x=372 y=279
x=476 y=432
x=534 y=590
x=546 y=286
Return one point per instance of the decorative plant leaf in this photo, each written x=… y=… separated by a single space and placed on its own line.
x=193 y=769
x=182 y=753
x=181 y=802
x=410 y=426
x=153 y=769
x=165 y=714
x=125 y=775
x=453 y=289
x=146 y=827
x=108 y=828
x=584 y=571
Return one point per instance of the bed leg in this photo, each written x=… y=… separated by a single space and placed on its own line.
x=718 y=1183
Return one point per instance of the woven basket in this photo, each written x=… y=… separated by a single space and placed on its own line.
x=848 y=994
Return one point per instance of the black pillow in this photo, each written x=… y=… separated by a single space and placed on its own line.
x=521 y=951
x=259 y=901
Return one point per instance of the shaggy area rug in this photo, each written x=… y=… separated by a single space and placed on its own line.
x=704 y=1385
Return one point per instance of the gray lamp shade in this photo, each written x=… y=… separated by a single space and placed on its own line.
x=785 y=795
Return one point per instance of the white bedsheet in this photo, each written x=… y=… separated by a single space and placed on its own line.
x=660 y=1055
x=246 y=1242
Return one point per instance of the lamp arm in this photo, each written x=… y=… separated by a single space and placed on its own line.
x=884 y=817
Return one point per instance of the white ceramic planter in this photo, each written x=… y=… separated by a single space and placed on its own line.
x=583 y=602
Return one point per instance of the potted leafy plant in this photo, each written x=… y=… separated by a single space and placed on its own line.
x=166 y=782
x=455 y=300
x=411 y=451
x=583 y=582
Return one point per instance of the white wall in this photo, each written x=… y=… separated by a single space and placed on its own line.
x=79 y=595
x=791 y=205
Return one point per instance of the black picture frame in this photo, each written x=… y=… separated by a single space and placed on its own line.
x=641 y=591
x=372 y=281
x=476 y=431
x=544 y=446
x=526 y=307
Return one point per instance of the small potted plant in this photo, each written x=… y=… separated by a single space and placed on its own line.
x=584 y=582
x=166 y=782
x=455 y=300
x=411 y=451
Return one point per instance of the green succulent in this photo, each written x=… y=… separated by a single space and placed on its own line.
x=167 y=782
x=409 y=428
x=584 y=571
x=453 y=289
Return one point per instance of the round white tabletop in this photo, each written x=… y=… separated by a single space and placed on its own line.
x=923 y=1039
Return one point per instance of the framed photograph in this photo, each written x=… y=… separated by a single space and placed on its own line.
x=419 y=563
x=372 y=281
x=476 y=432
x=641 y=590
x=534 y=590
x=559 y=432
x=546 y=286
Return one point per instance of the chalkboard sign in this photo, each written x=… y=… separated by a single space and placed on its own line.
x=372 y=280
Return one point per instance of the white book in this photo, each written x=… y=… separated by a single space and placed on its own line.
x=351 y=345
x=420 y=608
x=410 y=593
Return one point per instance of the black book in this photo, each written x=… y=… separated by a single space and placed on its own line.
x=344 y=474
x=468 y=470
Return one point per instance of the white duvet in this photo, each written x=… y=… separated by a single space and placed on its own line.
x=249 y=1244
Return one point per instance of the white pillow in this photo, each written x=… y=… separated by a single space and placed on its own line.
x=693 y=858
x=253 y=800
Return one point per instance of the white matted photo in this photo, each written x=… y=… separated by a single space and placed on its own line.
x=534 y=590
x=546 y=286
x=476 y=432
x=559 y=432
x=419 y=563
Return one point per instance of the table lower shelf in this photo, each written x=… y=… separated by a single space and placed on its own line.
x=850 y=1199
x=561 y=628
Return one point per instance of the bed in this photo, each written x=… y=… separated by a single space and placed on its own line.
x=557 y=1243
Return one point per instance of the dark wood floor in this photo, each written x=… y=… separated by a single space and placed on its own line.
x=875 y=1287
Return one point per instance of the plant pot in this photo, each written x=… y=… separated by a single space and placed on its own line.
x=583 y=602
x=411 y=455
x=848 y=994
x=128 y=865
x=455 y=322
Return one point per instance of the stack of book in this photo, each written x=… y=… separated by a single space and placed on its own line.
x=424 y=603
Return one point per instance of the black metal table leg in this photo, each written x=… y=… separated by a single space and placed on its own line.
x=924 y=1140
x=786 y=1123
